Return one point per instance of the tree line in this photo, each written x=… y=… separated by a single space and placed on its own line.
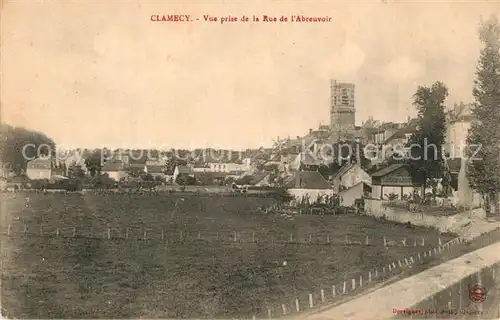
x=483 y=141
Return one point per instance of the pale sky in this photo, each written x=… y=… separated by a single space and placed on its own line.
x=101 y=73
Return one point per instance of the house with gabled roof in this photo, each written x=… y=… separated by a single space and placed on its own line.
x=349 y=175
x=156 y=171
x=182 y=170
x=115 y=169
x=308 y=185
x=395 y=179
x=44 y=168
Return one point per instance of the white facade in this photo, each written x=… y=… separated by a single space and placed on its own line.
x=116 y=175
x=349 y=196
x=38 y=174
x=353 y=176
x=456 y=138
x=228 y=167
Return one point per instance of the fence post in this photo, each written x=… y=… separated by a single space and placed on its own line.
x=74 y=232
x=24 y=230
x=367 y=241
x=217 y=235
x=439 y=241
x=390 y=267
x=415 y=243
x=322 y=295
x=57 y=232
x=353 y=284
x=297 y=305
x=334 y=291
x=8 y=230
x=162 y=234
x=423 y=242
x=283 y=307
x=234 y=233
x=399 y=263
x=269 y=313
x=385 y=242
x=311 y=300
x=411 y=260
x=327 y=238
x=109 y=234
x=361 y=281
x=419 y=257
x=253 y=237
x=369 y=276
x=199 y=234
x=126 y=234
x=406 y=261
x=383 y=269
x=145 y=236
x=41 y=230
x=310 y=238
x=345 y=287
x=291 y=237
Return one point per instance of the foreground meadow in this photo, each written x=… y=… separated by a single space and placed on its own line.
x=174 y=256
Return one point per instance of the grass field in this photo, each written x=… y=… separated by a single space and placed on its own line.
x=200 y=276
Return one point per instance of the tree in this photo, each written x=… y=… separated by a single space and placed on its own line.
x=94 y=162
x=426 y=159
x=75 y=172
x=345 y=152
x=484 y=137
x=185 y=180
x=19 y=145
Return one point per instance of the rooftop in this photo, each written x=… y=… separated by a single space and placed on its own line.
x=389 y=169
x=307 y=180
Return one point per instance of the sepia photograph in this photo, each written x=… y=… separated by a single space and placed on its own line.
x=271 y=159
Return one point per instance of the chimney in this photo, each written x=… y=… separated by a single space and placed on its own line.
x=310 y=131
x=409 y=119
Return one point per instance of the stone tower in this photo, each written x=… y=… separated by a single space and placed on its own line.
x=342 y=110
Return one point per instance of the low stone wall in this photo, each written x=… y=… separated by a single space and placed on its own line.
x=453 y=224
x=443 y=291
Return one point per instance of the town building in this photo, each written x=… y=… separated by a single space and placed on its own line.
x=350 y=175
x=308 y=185
x=44 y=168
x=349 y=196
x=115 y=170
x=459 y=121
x=396 y=180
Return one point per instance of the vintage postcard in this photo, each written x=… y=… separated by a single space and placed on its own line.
x=249 y=159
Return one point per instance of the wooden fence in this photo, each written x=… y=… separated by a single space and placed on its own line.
x=330 y=295
x=176 y=236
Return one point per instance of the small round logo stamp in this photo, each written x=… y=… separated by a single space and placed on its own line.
x=477 y=293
